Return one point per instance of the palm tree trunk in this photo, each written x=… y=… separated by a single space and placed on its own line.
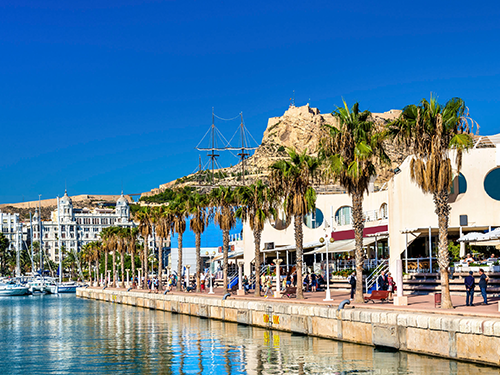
x=90 y=270
x=225 y=245
x=132 y=255
x=114 y=268
x=257 y=236
x=179 y=261
x=297 y=224
x=443 y=211
x=122 y=264
x=145 y=268
x=358 y=225
x=106 y=266
x=160 y=265
x=197 y=242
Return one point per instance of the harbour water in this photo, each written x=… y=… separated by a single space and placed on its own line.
x=65 y=334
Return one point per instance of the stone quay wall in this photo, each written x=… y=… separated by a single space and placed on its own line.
x=449 y=336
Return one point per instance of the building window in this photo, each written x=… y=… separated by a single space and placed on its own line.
x=314 y=220
x=343 y=215
x=492 y=184
x=383 y=211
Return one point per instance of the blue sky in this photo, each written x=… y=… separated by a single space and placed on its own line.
x=100 y=94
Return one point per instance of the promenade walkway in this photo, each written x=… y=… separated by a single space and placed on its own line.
x=416 y=303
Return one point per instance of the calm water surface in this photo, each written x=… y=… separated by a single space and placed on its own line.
x=64 y=334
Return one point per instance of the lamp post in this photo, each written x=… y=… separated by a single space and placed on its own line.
x=211 y=255
x=140 y=278
x=128 y=278
x=328 y=241
x=240 y=263
x=109 y=277
x=188 y=266
x=277 y=292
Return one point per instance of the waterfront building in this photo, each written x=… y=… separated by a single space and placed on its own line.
x=12 y=228
x=400 y=220
x=76 y=227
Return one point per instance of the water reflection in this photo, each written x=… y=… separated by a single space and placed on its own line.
x=51 y=334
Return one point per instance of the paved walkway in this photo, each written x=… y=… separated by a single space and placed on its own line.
x=420 y=303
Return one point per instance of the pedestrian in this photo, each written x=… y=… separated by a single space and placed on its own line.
x=470 y=283
x=483 y=282
x=262 y=282
x=352 y=281
x=202 y=281
x=246 y=285
x=267 y=284
x=314 y=282
x=390 y=284
x=382 y=281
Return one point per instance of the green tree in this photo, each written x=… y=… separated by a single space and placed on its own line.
x=178 y=209
x=291 y=180
x=224 y=201
x=197 y=208
x=144 y=218
x=431 y=131
x=4 y=253
x=257 y=204
x=349 y=153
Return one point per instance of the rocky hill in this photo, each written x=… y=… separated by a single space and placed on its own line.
x=298 y=128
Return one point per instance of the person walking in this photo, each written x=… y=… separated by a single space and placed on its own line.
x=352 y=281
x=470 y=283
x=483 y=282
x=382 y=281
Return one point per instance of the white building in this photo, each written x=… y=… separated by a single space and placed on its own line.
x=400 y=220
x=77 y=227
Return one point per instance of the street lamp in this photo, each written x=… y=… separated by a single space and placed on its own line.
x=328 y=241
x=211 y=255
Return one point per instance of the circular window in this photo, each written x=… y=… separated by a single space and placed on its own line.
x=314 y=219
x=343 y=215
x=492 y=184
x=459 y=185
x=281 y=222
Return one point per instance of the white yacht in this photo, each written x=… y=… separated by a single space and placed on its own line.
x=68 y=287
x=11 y=288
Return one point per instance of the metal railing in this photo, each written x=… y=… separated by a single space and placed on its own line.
x=372 y=279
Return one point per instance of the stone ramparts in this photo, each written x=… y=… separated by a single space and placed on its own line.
x=448 y=336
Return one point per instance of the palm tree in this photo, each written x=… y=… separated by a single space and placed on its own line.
x=291 y=180
x=144 y=218
x=132 y=242
x=106 y=235
x=350 y=151
x=179 y=212
x=224 y=201
x=431 y=131
x=256 y=204
x=163 y=227
x=86 y=255
x=197 y=205
x=121 y=234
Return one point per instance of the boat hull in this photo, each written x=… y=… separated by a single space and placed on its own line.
x=15 y=291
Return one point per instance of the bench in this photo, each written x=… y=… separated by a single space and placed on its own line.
x=377 y=295
x=290 y=292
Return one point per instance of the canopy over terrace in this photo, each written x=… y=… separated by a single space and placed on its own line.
x=491 y=238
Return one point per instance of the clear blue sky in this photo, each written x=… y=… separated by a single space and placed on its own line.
x=96 y=94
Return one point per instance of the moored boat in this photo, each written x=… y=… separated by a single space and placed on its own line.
x=67 y=287
x=13 y=289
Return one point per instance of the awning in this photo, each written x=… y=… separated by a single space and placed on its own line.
x=308 y=245
x=345 y=245
x=490 y=238
x=235 y=254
